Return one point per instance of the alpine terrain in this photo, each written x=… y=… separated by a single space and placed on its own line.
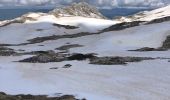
x=75 y=53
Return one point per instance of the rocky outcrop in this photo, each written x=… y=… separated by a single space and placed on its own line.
x=45 y=57
x=122 y=26
x=68 y=46
x=4 y=96
x=159 y=20
x=166 y=43
x=78 y=9
x=165 y=46
x=144 y=49
x=116 y=60
x=79 y=56
x=50 y=56
x=56 y=37
x=4 y=51
x=65 y=26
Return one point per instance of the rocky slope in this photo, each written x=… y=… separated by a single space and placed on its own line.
x=147 y=15
x=78 y=9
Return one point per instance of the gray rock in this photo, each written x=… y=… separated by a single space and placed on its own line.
x=68 y=46
x=4 y=51
x=65 y=26
x=67 y=66
x=45 y=57
x=116 y=60
x=78 y=9
x=54 y=68
x=166 y=43
x=4 y=96
x=164 y=47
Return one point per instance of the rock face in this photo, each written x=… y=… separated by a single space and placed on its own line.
x=78 y=9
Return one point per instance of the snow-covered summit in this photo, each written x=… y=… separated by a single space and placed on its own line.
x=151 y=15
x=82 y=9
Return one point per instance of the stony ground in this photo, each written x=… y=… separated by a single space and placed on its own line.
x=4 y=96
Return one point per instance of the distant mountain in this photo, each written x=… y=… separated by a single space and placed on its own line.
x=78 y=9
x=163 y=12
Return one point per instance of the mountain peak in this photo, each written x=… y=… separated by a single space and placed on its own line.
x=78 y=9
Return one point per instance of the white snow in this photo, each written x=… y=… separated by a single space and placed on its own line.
x=154 y=14
x=149 y=79
x=146 y=80
x=20 y=33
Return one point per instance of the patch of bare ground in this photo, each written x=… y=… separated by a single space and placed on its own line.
x=45 y=57
x=4 y=51
x=68 y=46
x=4 y=96
x=65 y=26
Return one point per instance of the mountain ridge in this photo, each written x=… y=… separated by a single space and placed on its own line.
x=78 y=9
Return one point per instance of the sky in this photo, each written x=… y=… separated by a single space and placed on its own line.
x=98 y=3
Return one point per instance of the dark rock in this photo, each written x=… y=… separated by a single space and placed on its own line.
x=107 y=61
x=166 y=43
x=45 y=57
x=67 y=97
x=159 y=20
x=116 y=60
x=39 y=29
x=56 y=37
x=4 y=51
x=148 y=49
x=65 y=26
x=4 y=96
x=41 y=45
x=50 y=56
x=122 y=26
x=145 y=49
x=21 y=50
x=2 y=93
x=164 y=47
x=78 y=56
x=50 y=52
x=69 y=46
x=67 y=66
x=54 y=68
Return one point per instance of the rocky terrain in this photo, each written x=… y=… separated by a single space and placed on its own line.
x=79 y=53
x=4 y=96
x=81 y=9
